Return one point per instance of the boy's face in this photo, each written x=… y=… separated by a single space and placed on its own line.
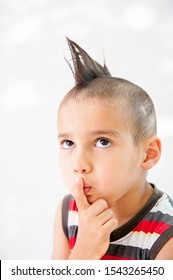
x=96 y=145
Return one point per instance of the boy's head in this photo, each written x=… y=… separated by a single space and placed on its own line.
x=107 y=131
x=131 y=102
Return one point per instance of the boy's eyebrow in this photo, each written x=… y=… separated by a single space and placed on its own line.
x=108 y=132
x=63 y=135
x=95 y=132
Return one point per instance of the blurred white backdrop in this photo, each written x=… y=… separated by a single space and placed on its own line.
x=136 y=37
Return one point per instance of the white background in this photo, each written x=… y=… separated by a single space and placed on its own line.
x=137 y=41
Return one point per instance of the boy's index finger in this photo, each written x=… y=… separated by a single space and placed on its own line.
x=79 y=195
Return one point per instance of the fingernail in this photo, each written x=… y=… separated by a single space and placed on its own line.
x=78 y=180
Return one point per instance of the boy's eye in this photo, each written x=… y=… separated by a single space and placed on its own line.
x=67 y=144
x=102 y=143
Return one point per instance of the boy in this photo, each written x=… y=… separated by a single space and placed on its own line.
x=108 y=142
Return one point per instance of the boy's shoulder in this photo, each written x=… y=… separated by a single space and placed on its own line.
x=164 y=212
x=164 y=204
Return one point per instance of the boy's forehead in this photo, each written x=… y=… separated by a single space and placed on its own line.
x=94 y=115
x=86 y=108
x=103 y=104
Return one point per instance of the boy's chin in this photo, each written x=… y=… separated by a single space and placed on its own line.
x=91 y=199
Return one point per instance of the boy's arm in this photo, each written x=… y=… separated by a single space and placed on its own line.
x=61 y=249
x=166 y=253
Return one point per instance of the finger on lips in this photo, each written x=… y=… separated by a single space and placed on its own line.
x=79 y=195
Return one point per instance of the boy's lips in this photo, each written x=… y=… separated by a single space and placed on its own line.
x=86 y=188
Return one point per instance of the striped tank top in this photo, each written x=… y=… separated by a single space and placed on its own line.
x=141 y=238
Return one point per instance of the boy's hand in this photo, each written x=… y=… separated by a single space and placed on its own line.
x=96 y=222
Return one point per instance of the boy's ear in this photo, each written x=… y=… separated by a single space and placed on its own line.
x=152 y=148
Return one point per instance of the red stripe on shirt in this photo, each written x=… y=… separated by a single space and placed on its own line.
x=110 y=257
x=72 y=242
x=72 y=205
x=153 y=226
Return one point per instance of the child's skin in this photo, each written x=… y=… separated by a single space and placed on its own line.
x=106 y=173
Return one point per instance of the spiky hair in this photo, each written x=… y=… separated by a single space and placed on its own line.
x=85 y=69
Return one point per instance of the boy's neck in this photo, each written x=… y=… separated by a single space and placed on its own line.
x=134 y=203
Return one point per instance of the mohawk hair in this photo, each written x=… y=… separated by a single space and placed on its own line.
x=84 y=68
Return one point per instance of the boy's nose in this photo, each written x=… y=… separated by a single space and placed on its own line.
x=82 y=165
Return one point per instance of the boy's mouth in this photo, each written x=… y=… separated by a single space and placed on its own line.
x=86 y=188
